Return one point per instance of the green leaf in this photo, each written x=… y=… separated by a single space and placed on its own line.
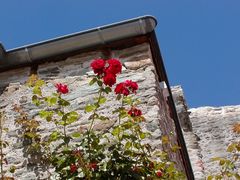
x=29 y=135
x=237 y=176
x=63 y=102
x=116 y=131
x=46 y=114
x=127 y=100
x=107 y=90
x=231 y=147
x=93 y=81
x=90 y=108
x=5 y=129
x=142 y=135
x=103 y=118
x=43 y=113
x=175 y=148
x=54 y=136
x=123 y=114
x=39 y=83
x=60 y=113
x=99 y=82
x=210 y=178
x=137 y=145
x=12 y=169
x=216 y=159
x=128 y=145
x=37 y=90
x=53 y=101
x=119 y=96
x=35 y=100
x=165 y=139
x=127 y=125
x=55 y=94
x=76 y=134
x=70 y=118
x=102 y=100
x=222 y=162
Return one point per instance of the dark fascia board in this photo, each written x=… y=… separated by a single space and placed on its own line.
x=30 y=54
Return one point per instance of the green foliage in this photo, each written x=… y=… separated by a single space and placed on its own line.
x=119 y=153
x=227 y=165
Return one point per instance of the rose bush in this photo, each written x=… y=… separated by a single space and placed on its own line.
x=119 y=153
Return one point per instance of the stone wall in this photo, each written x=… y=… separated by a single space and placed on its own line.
x=213 y=127
x=207 y=132
x=75 y=72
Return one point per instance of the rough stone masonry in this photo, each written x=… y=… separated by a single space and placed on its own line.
x=76 y=73
x=207 y=133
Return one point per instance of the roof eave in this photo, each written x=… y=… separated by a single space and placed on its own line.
x=29 y=54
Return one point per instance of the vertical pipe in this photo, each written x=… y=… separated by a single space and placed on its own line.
x=158 y=62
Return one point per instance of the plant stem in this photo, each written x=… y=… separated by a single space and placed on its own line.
x=84 y=166
x=93 y=119
x=119 y=122
x=139 y=142
x=95 y=110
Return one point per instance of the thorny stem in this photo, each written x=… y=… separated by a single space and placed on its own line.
x=95 y=110
x=82 y=163
x=119 y=122
x=93 y=119
x=139 y=141
x=64 y=126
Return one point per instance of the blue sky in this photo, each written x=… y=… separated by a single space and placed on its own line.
x=199 y=40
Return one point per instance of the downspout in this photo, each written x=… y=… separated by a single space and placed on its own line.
x=2 y=53
x=161 y=71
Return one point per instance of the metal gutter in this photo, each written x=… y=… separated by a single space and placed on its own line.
x=33 y=53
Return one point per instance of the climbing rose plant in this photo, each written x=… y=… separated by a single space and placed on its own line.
x=119 y=153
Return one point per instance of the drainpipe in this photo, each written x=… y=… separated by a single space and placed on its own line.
x=2 y=52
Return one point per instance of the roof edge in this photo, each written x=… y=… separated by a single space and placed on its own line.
x=102 y=35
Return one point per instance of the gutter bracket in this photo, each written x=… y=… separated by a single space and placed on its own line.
x=143 y=31
x=100 y=35
x=28 y=56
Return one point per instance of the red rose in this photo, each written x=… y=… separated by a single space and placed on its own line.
x=73 y=168
x=114 y=66
x=121 y=89
x=98 y=66
x=159 y=173
x=62 y=88
x=134 y=112
x=132 y=85
x=109 y=79
x=125 y=87
x=93 y=166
